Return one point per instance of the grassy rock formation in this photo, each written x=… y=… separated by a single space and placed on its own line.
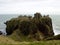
x=56 y=37
x=38 y=27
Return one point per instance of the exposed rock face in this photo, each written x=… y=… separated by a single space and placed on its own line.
x=0 y=33
x=37 y=26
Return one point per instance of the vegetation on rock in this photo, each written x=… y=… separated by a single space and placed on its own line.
x=56 y=37
x=38 y=27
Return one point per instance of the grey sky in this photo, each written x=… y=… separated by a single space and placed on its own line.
x=29 y=6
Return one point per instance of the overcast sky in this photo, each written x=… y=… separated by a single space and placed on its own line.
x=29 y=6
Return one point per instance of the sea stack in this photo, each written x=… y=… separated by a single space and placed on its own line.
x=38 y=27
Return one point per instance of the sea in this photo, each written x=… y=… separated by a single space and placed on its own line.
x=6 y=17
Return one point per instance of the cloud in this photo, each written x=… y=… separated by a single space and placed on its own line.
x=29 y=6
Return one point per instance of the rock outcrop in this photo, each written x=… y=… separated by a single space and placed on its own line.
x=38 y=27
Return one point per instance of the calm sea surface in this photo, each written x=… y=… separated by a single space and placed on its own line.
x=55 y=21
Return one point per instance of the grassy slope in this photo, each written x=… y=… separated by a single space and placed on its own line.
x=7 y=41
x=4 y=40
x=19 y=37
x=26 y=41
x=10 y=40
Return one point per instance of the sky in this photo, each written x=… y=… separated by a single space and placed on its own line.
x=30 y=6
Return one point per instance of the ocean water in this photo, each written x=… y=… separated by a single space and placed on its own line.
x=4 y=18
x=55 y=22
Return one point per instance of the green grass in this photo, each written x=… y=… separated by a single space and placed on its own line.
x=12 y=40
x=19 y=37
x=51 y=42
x=25 y=41
x=7 y=41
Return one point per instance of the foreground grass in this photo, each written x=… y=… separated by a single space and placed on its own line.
x=8 y=41
x=51 y=42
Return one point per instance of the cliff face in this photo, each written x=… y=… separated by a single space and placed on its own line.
x=38 y=27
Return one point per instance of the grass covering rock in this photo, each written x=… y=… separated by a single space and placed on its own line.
x=38 y=27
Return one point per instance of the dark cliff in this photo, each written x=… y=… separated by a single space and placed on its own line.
x=38 y=27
